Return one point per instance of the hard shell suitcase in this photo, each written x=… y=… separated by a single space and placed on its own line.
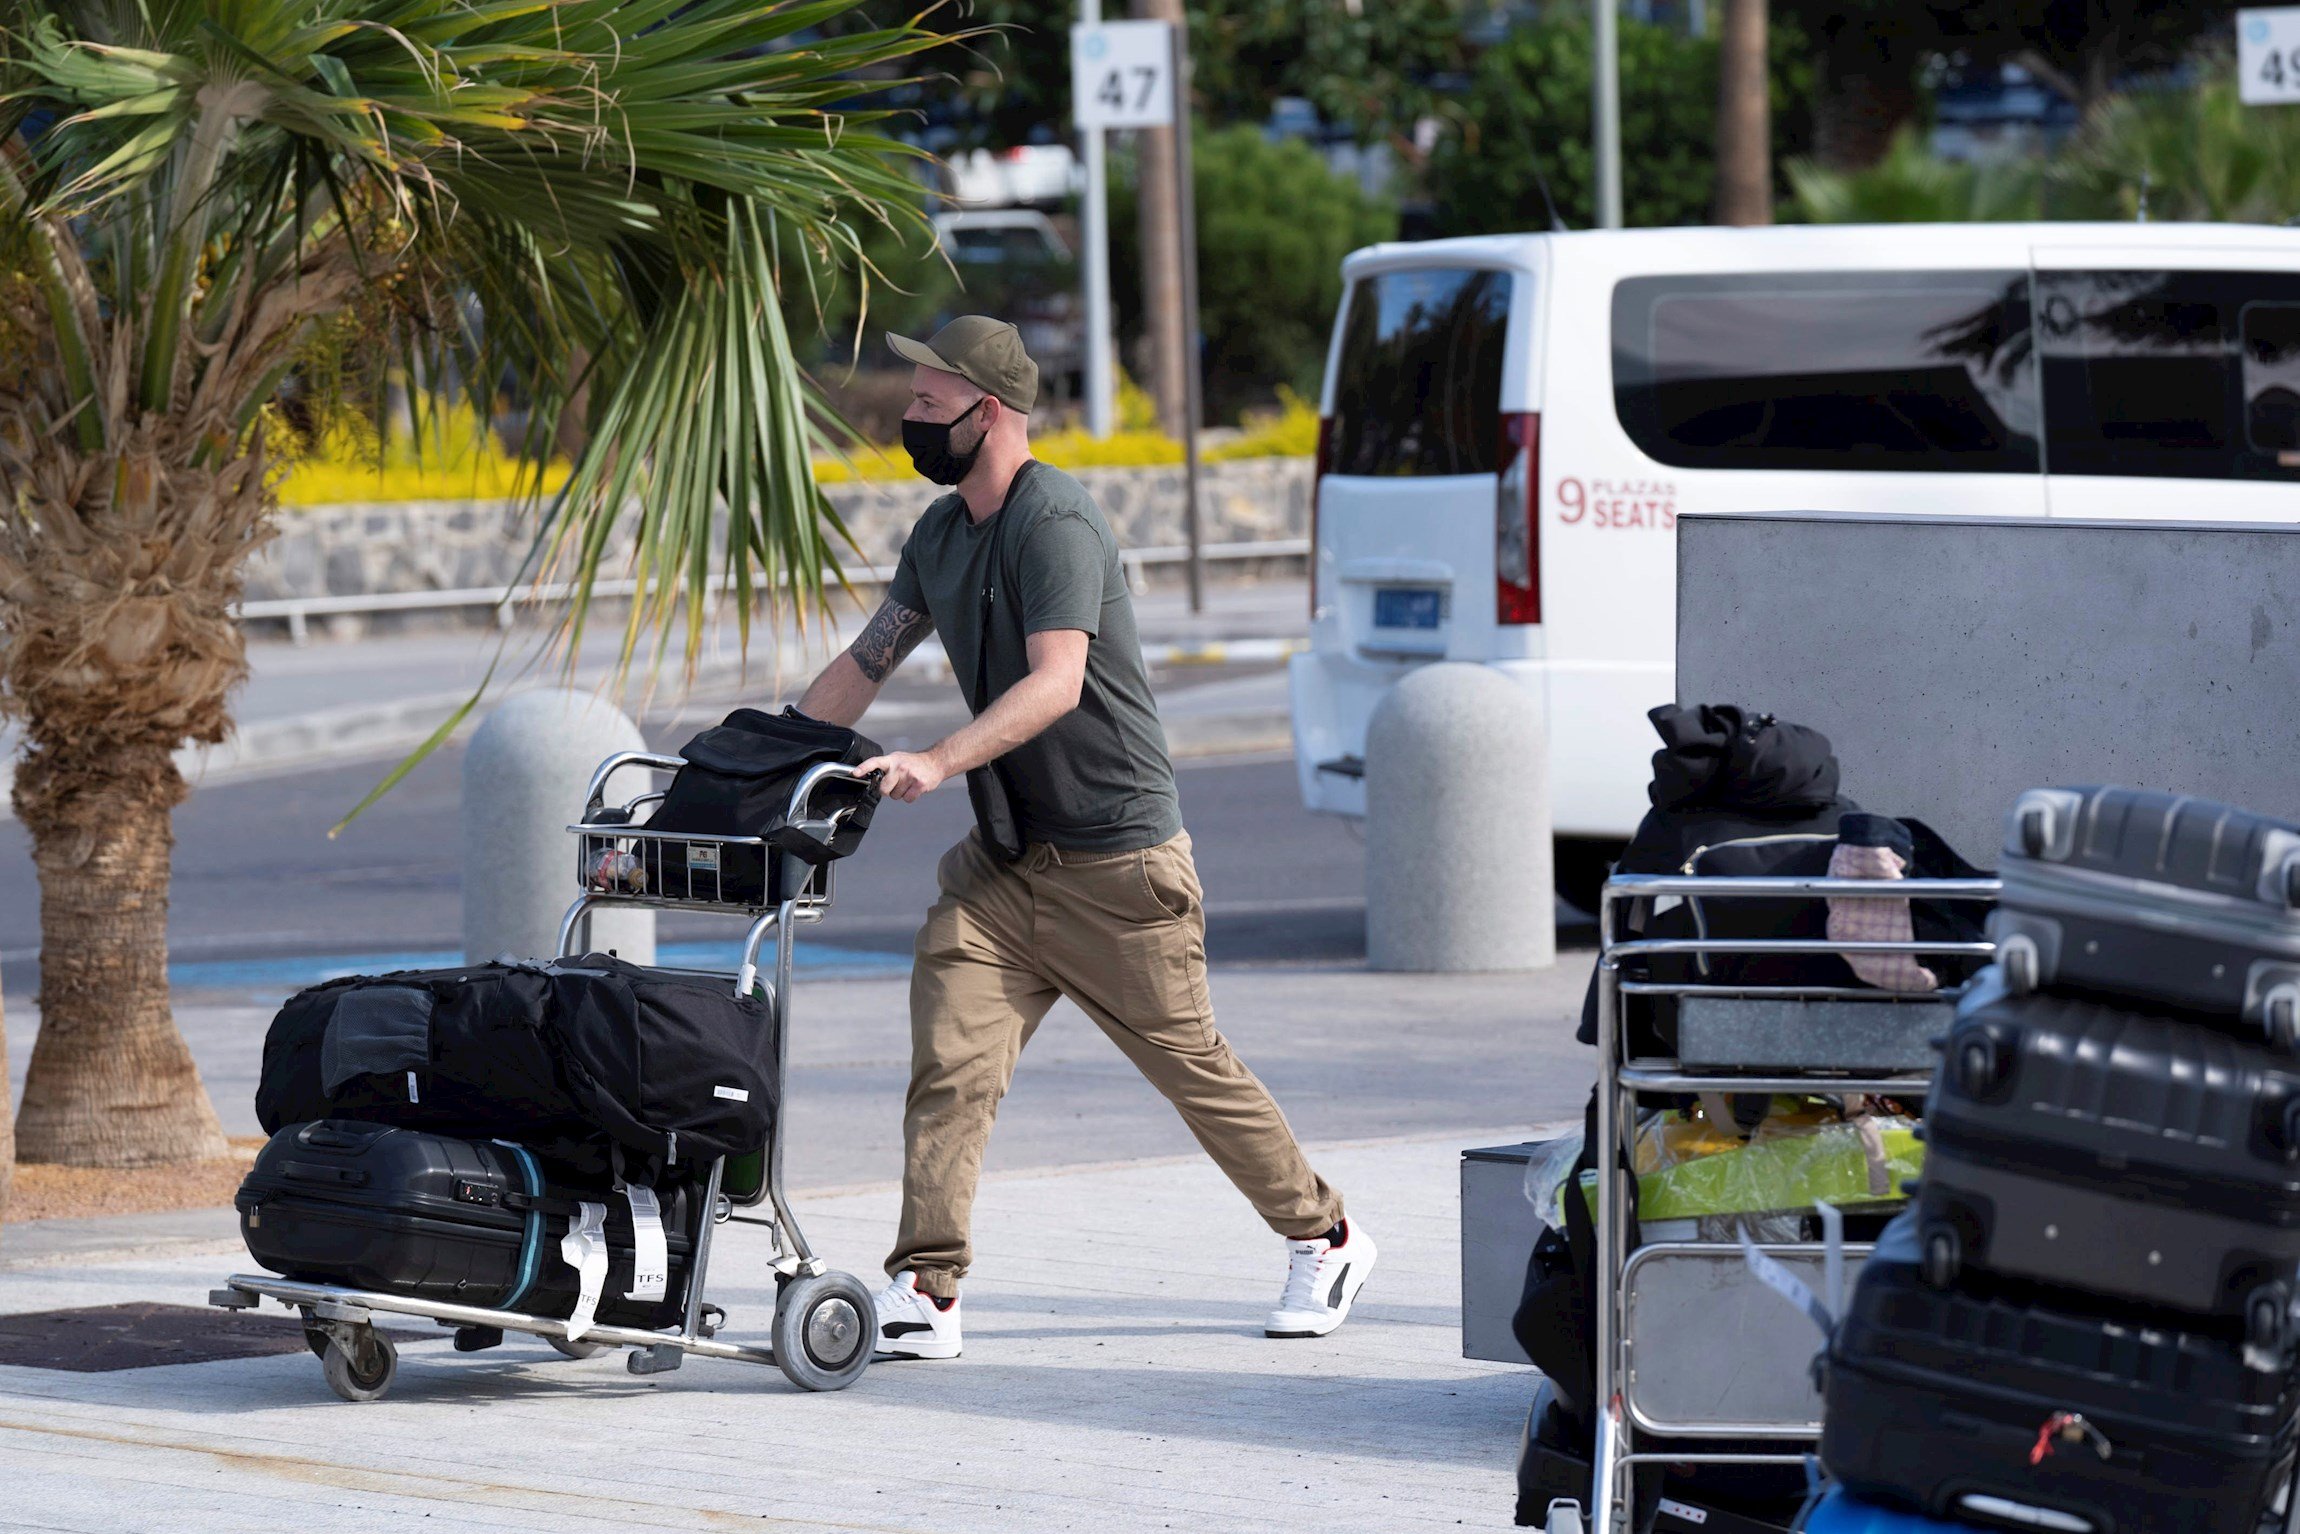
x=2115 y=1152
x=2153 y=898
x=1838 y=1513
x=475 y=1222
x=1998 y=1404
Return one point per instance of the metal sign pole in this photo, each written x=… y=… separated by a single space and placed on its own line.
x=1101 y=414
x=1186 y=229
x=1605 y=91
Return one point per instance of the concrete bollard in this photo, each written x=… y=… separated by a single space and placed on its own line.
x=523 y=784
x=1458 y=826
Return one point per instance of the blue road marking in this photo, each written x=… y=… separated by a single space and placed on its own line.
x=814 y=961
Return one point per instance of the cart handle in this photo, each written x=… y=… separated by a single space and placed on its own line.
x=1642 y=886
x=596 y=799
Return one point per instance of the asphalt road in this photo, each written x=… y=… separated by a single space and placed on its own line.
x=257 y=877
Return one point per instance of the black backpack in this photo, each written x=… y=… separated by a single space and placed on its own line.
x=737 y=781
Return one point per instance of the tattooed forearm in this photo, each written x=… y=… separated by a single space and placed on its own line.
x=894 y=632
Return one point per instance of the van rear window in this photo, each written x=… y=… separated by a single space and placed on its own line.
x=1417 y=390
x=1870 y=371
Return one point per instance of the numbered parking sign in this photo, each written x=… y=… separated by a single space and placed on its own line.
x=1122 y=74
x=2268 y=56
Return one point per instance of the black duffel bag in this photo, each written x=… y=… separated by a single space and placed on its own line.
x=465 y=1051
x=569 y=1058
x=738 y=781
x=670 y=1064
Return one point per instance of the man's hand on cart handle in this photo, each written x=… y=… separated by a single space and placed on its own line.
x=905 y=775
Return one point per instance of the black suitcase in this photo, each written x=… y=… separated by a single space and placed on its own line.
x=2154 y=898
x=474 y=1222
x=1554 y=1464
x=1995 y=1404
x=2115 y=1152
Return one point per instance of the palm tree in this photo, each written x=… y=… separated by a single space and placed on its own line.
x=221 y=216
x=1744 y=117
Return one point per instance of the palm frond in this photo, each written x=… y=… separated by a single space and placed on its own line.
x=576 y=199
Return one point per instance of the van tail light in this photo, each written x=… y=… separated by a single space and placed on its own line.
x=1325 y=463
x=1516 y=522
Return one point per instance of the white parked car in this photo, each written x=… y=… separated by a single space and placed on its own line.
x=1513 y=424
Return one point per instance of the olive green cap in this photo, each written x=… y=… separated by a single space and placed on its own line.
x=985 y=352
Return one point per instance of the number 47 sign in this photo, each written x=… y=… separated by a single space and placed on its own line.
x=2268 y=56
x=1122 y=74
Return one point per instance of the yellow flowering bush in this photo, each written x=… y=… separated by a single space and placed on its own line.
x=461 y=462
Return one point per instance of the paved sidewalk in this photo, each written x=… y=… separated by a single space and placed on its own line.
x=1115 y=1379
x=1350 y=1054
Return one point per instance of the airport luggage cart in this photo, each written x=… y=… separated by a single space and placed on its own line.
x=1689 y=1346
x=824 y=1325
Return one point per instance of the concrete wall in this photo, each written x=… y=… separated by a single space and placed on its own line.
x=1955 y=662
x=454 y=545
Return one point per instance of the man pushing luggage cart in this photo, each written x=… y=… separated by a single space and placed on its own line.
x=1077 y=880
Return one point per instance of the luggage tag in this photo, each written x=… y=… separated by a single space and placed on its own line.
x=1794 y=1289
x=650 y=1254
x=584 y=1248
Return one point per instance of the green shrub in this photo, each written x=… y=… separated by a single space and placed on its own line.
x=1273 y=226
x=2194 y=151
x=1528 y=109
x=2199 y=152
x=1912 y=186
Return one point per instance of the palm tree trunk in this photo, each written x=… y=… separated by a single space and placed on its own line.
x=1164 y=344
x=1744 y=118
x=1865 y=90
x=112 y=1082
x=7 y=1122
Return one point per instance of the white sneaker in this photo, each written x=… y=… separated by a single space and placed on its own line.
x=1322 y=1281
x=912 y=1325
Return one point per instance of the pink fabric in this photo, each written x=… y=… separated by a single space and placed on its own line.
x=1856 y=920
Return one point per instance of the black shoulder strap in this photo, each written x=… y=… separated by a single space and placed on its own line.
x=992 y=577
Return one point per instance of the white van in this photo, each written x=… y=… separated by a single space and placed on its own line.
x=1512 y=425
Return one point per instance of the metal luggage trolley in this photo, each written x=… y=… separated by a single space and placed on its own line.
x=1667 y=1315
x=824 y=1325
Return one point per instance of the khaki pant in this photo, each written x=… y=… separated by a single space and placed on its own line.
x=1124 y=936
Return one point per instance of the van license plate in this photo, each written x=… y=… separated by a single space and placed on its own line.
x=1408 y=607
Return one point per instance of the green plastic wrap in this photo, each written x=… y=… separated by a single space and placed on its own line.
x=1798 y=1158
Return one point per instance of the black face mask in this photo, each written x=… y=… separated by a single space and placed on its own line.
x=928 y=443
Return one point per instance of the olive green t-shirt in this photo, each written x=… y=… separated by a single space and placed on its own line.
x=1098 y=779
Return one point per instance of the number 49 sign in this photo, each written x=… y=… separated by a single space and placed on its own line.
x=2268 y=56
x=1122 y=74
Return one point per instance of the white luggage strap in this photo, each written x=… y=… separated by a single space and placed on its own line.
x=584 y=1248
x=650 y=1254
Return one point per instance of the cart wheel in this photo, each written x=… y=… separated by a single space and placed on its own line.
x=824 y=1328
x=2264 y=1318
x=1944 y=1256
x=369 y=1375
x=579 y=1349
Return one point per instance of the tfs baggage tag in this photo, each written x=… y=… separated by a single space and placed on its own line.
x=650 y=1256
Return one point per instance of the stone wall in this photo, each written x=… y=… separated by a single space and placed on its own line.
x=458 y=545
